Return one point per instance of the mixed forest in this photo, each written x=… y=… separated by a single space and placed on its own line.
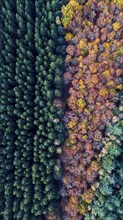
x=61 y=110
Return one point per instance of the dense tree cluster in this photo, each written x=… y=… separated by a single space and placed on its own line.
x=49 y=106
x=93 y=75
x=32 y=105
x=24 y=109
x=7 y=102
x=108 y=201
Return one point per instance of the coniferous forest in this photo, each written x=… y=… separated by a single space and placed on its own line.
x=61 y=110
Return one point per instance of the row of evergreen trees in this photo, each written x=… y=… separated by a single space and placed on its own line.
x=32 y=57
x=24 y=109
x=49 y=71
x=8 y=118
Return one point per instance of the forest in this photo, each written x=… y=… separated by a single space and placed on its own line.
x=61 y=110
